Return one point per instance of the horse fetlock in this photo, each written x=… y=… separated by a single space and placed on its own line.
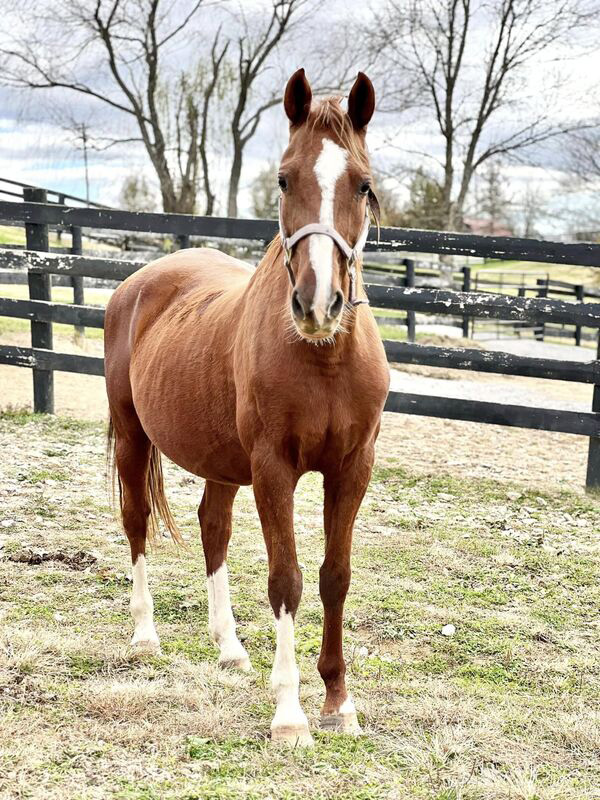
x=341 y=719
x=233 y=654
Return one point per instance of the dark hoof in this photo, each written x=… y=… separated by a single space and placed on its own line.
x=341 y=723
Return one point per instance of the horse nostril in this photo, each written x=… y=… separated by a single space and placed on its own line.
x=297 y=306
x=336 y=305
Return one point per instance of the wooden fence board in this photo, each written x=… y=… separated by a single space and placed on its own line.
x=492 y=361
x=58 y=264
x=578 y=422
x=50 y=360
x=44 y=311
x=394 y=239
x=485 y=304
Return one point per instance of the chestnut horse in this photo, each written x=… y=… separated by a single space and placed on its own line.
x=246 y=376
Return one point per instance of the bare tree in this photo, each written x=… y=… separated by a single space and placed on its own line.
x=217 y=54
x=532 y=208
x=584 y=153
x=136 y=194
x=128 y=39
x=253 y=51
x=466 y=81
x=492 y=202
x=265 y=193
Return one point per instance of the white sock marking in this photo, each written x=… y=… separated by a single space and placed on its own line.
x=347 y=706
x=285 y=678
x=220 y=619
x=328 y=167
x=141 y=605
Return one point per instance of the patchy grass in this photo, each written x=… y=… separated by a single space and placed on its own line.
x=532 y=269
x=60 y=294
x=507 y=707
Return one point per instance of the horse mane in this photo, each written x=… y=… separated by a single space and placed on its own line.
x=329 y=114
x=273 y=251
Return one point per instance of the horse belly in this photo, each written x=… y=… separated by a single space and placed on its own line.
x=185 y=399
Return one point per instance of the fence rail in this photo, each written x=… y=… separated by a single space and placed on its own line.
x=391 y=291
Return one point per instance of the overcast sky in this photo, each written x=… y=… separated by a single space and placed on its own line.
x=36 y=148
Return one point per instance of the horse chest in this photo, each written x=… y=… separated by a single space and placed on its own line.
x=315 y=424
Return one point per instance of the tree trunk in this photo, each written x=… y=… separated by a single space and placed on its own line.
x=234 y=180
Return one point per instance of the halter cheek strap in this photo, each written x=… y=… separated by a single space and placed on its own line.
x=351 y=254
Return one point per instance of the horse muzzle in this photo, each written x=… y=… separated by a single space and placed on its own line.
x=313 y=323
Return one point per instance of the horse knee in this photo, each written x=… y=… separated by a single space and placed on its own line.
x=332 y=667
x=334 y=582
x=285 y=589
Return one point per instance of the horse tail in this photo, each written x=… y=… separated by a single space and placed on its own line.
x=112 y=476
x=156 y=499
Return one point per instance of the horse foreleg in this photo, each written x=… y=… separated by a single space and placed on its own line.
x=214 y=514
x=274 y=485
x=344 y=492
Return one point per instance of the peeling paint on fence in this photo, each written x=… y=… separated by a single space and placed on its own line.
x=484 y=304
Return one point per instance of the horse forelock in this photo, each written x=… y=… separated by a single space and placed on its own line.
x=329 y=115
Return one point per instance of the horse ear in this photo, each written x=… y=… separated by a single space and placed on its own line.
x=297 y=98
x=361 y=102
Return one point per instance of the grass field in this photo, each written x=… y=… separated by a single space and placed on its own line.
x=508 y=707
x=559 y=272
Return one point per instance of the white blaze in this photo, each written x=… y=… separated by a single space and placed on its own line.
x=285 y=678
x=328 y=167
x=221 y=622
x=141 y=605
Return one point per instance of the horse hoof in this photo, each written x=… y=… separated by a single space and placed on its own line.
x=149 y=646
x=292 y=735
x=341 y=723
x=243 y=664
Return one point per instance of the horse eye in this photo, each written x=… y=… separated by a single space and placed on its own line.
x=283 y=184
x=364 y=187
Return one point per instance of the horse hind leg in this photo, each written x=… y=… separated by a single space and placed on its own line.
x=214 y=515
x=132 y=454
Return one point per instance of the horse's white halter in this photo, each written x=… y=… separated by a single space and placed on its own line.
x=350 y=253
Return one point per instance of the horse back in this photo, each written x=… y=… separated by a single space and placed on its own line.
x=187 y=276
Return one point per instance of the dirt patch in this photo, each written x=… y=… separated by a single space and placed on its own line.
x=538 y=459
x=77 y=560
x=78 y=396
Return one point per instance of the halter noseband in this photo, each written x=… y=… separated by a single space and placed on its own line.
x=351 y=254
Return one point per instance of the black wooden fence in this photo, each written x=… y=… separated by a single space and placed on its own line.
x=37 y=216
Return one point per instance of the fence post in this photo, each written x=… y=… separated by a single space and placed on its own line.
x=542 y=284
x=518 y=325
x=592 y=478
x=183 y=241
x=59 y=228
x=466 y=287
x=40 y=288
x=77 y=280
x=580 y=296
x=409 y=281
